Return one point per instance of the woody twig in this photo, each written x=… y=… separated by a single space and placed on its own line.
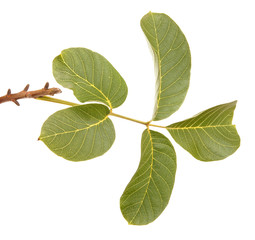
x=13 y=97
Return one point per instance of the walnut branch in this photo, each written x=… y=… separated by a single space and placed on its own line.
x=9 y=97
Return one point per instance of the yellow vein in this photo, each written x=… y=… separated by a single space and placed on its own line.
x=205 y=146
x=224 y=145
x=73 y=131
x=159 y=60
x=77 y=75
x=150 y=177
x=198 y=127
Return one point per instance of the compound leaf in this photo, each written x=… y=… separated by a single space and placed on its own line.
x=79 y=133
x=172 y=61
x=209 y=135
x=90 y=76
x=149 y=190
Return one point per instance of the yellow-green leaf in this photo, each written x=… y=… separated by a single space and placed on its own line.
x=79 y=133
x=172 y=61
x=210 y=135
x=149 y=190
x=90 y=76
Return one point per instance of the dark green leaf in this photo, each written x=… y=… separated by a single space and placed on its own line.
x=172 y=60
x=90 y=76
x=79 y=133
x=148 y=192
x=209 y=135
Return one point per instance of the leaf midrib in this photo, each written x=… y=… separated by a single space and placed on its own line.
x=84 y=79
x=197 y=127
x=159 y=63
x=76 y=130
x=150 y=177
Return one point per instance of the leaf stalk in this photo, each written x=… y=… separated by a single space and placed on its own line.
x=135 y=120
x=55 y=100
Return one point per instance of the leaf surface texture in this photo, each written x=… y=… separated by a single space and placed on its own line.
x=209 y=135
x=90 y=76
x=172 y=61
x=149 y=190
x=79 y=133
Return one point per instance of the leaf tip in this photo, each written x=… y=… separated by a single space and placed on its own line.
x=232 y=104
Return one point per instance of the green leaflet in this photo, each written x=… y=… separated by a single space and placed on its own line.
x=173 y=62
x=209 y=135
x=149 y=190
x=90 y=76
x=84 y=132
x=79 y=133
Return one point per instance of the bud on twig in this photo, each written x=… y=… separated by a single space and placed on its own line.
x=9 y=97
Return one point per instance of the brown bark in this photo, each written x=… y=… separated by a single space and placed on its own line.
x=9 y=97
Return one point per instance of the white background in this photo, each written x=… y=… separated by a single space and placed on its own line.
x=43 y=196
